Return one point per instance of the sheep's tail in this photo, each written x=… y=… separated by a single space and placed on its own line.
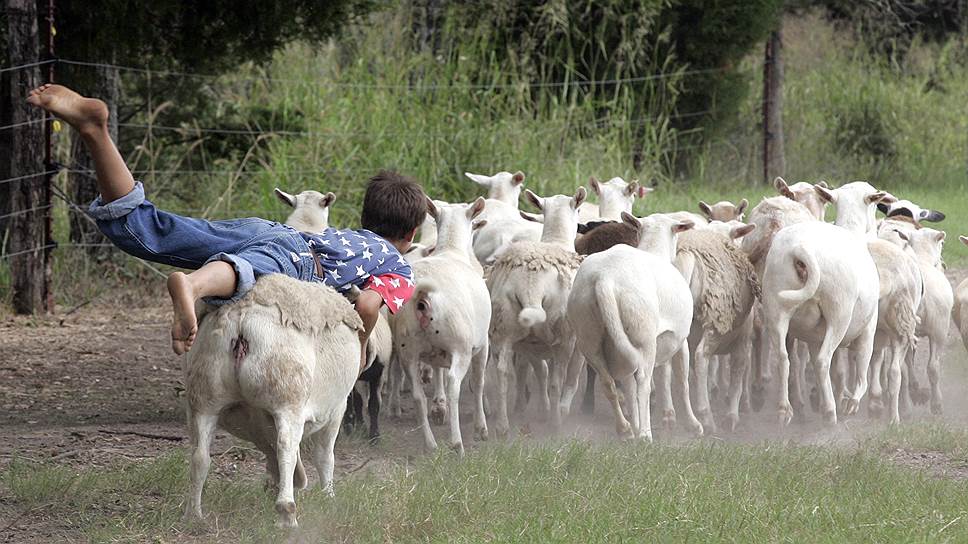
x=608 y=305
x=809 y=273
x=531 y=316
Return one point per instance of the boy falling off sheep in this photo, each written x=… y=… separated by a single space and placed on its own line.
x=228 y=256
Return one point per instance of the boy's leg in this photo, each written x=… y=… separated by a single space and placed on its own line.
x=215 y=279
x=368 y=305
x=90 y=117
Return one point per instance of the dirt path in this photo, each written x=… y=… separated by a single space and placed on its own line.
x=101 y=387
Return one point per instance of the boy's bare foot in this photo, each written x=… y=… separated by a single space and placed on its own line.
x=184 y=326
x=82 y=113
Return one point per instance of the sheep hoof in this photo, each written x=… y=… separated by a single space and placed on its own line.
x=458 y=447
x=815 y=399
x=732 y=421
x=438 y=414
x=501 y=431
x=480 y=433
x=625 y=432
x=708 y=422
x=669 y=419
x=757 y=397
x=849 y=408
x=936 y=408
x=875 y=408
x=287 y=515
x=920 y=396
x=785 y=415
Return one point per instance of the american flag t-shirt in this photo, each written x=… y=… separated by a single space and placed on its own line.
x=364 y=259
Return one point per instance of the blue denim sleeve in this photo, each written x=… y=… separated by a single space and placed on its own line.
x=117 y=208
x=244 y=274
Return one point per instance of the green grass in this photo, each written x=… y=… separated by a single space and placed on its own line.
x=552 y=492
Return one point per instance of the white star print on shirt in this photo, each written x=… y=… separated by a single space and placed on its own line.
x=340 y=263
x=397 y=302
x=344 y=241
x=360 y=272
x=366 y=254
x=335 y=274
x=394 y=282
x=409 y=282
x=377 y=282
x=383 y=247
x=350 y=253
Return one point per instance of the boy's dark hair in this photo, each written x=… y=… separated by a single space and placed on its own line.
x=393 y=206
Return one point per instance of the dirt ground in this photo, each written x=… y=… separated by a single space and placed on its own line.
x=100 y=386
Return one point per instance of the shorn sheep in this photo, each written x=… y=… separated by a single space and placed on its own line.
x=724 y=287
x=289 y=363
x=960 y=310
x=614 y=197
x=820 y=285
x=503 y=224
x=446 y=321
x=529 y=286
x=310 y=209
x=631 y=311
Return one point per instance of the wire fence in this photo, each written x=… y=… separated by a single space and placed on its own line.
x=80 y=209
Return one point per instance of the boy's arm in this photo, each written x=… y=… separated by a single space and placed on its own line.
x=368 y=305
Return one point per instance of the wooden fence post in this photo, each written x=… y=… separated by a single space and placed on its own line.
x=774 y=163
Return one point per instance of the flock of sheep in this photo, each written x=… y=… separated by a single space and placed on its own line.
x=713 y=303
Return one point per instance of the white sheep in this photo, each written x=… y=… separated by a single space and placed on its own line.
x=289 y=352
x=960 y=310
x=936 y=307
x=614 y=196
x=724 y=287
x=310 y=210
x=529 y=285
x=504 y=226
x=724 y=210
x=631 y=311
x=820 y=285
x=445 y=323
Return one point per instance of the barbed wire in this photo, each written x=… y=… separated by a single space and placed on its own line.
x=407 y=86
x=26 y=66
x=28 y=176
x=26 y=211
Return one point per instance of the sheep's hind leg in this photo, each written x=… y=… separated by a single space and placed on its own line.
x=478 y=367
x=503 y=358
x=704 y=351
x=595 y=360
x=875 y=403
x=573 y=374
x=459 y=364
x=680 y=365
x=438 y=407
x=201 y=428
x=413 y=370
x=934 y=374
x=290 y=431
x=324 y=457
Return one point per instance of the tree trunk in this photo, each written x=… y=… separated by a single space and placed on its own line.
x=774 y=163
x=24 y=149
x=103 y=83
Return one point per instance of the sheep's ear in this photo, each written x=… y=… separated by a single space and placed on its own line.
x=580 y=195
x=583 y=228
x=517 y=178
x=476 y=208
x=705 y=209
x=880 y=196
x=823 y=184
x=534 y=199
x=286 y=197
x=595 y=185
x=964 y=240
x=630 y=220
x=940 y=236
x=742 y=207
x=479 y=179
x=883 y=208
x=632 y=188
x=327 y=200
x=643 y=190
x=412 y=249
x=902 y=235
x=532 y=217
x=478 y=224
x=741 y=231
x=432 y=209
x=931 y=215
x=781 y=187
x=683 y=226
x=826 y=194
x=425 y=252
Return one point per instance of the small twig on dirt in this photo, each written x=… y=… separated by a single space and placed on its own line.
x=145 y=435
x=363 y=464
x=22 y=514
x=65 y=455
x=126 y=455
x=74 y=309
